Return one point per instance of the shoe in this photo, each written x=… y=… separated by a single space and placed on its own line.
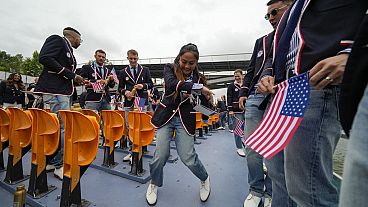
x=231 y=131
x=221 y=128
x=58 y=173
x=267 y=201
x=205 y=189
x=252 y=201
x=240 y=152
x=151 y=194
x=50 y=168
x=127 y=158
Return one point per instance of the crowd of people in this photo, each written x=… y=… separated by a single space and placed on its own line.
x=307 y=36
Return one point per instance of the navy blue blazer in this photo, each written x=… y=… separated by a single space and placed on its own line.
x=89 y=73
x=59 y=64
x=127 y=82
x=326 y=27
x=169 y=106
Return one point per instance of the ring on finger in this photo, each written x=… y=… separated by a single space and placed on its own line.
x=329 y=78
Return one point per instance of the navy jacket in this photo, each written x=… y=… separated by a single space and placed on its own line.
x=59 y=63
x=233 y=97
x=89 y=73
x=169 y=106
x=127 y=82
x=10 y=94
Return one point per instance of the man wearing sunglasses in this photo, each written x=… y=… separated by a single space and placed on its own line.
x=313 y=36
x=259 y=185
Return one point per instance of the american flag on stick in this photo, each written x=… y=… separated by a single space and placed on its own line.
x=283 y=117
x=239 y=128
x=139 y=103
x=114 y=75
x=97 y=86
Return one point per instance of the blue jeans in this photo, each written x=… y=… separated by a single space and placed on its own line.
x=238 y=139
x=222 y=119
x=307 y=160
x=184 y=146
x=98 y=106
x=354 y=184
x=259 y=185
x=56 y=103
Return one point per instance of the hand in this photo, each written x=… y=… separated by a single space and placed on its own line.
x=231 y=113
x=242 y=100
x=128 y=94
x=139 y=86
x=206 y=91
x=78 y=79
x=103 y=82
x=329 y=71
x=87 y=83
x=266 y=85
x=111 y=78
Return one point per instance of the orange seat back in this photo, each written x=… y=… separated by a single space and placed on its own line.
x=122 y=113
x=113 y=127
x=20 y=132
x=141 y=131
x=4 y=125
x=45 y=136
x=198 y=120
x=92 y=113
x=80 y=143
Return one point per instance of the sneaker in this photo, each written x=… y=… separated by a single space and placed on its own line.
x=151 y=194
x=240 y=152
x=50 y=168
x=231 y=131
x=252 y=201
x=267 y=201
x=205 y=189
x=221 y=128
x=58 y=173
x=127 y=158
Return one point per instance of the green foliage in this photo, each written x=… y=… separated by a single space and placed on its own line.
x=26 y=66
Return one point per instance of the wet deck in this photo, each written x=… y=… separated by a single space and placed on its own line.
x=227 y=170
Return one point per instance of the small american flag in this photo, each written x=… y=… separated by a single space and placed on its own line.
x=239 y=128
x=139 y=103
x=97 y=86
x=283 y=117
x=114 y=75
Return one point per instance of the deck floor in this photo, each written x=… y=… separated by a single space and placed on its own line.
x=227 y=170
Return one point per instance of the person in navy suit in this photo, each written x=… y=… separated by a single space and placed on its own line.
x=137 y=77
x=94 y=73
x=175 y=111
x=314 y=37
x=56 y=82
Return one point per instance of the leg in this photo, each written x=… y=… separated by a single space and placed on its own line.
x=308 y=157
x=356 y=167
x=162 y=153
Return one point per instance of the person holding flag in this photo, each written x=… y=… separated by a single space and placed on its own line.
x=98 y=79
x=311 y=47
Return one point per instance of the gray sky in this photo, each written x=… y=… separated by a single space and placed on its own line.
x=155 y=28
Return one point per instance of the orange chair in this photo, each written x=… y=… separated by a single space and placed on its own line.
x=4 y=134
x=80 y=148
x=199 y=124
x=19 y=144
x=113 y=129
x=45 y=142
x=92 y=113
x=141 y=133
x=124 y=138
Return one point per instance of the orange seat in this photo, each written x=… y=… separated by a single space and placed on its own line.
x=113 y=127
x=92 y=113
x=80 y=143
x=45 y=138
x=141 y=131
x=199 y=124
x=4 y=134
x=122 y=113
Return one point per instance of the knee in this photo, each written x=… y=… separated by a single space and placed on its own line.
x=188 y=159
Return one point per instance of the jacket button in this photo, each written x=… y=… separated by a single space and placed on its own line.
x=173 y=111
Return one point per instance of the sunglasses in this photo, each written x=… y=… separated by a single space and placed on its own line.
x=274 y=12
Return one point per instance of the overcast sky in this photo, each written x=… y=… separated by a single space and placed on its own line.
x=155 y=28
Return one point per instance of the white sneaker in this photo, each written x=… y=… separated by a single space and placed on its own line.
x=205 y=189
x=151 y=194
x=267 y=202
x=252 y=201
x=240 y=152
x=50 y=167
x=127 y=158
x=58 y=173
x=221 y=128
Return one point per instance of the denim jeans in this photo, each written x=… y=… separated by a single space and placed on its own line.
x=98 y=106
x=184 y=146
x=354 y=184
x=307 y=160
x=222 y=119
x=259 y=185
x=56 y=103
x=238 y=139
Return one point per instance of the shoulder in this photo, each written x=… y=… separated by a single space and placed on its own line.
x=55 y=38
x=85 y=67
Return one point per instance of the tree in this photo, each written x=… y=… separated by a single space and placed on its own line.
x=31 y=66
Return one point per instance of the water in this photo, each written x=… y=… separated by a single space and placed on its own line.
x=339 y=156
